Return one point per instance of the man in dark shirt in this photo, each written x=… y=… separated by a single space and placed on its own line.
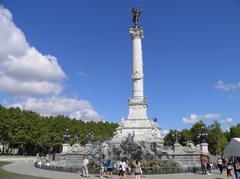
x=236 y=168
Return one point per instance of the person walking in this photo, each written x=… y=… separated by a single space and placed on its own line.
x=137 y=169
x=209 y=167
x=229 y=170
x=85 y=167
x=101 y=172
x=109 y=168
x=236 y=168
x=128 y=168
x=203 y=161
x=220 y=164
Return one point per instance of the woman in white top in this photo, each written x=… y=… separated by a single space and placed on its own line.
x=122 y=169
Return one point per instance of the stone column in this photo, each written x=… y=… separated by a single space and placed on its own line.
x=137 y=103
x=137 y=76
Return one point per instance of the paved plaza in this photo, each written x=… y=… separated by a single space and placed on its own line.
x=26 y=167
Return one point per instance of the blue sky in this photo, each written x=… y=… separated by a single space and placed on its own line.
x=190 y=51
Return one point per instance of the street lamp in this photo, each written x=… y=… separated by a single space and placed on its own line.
x=67 y=136
x=89 y=136
x=202 y=137
x=185 y=141
x=202 y=142
x=176 y=135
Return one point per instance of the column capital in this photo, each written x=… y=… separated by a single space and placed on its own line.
x=136 y=32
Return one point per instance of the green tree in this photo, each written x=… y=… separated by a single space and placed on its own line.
x=197 y=129
x=185 y=135
x=234 y=131
x=169 y=138
x=216 y=139
x=32 y=133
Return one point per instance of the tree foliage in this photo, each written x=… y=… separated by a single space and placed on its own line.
x=234 y=131
x=32 y=133
x=216 y=138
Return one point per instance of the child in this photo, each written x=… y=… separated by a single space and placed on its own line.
x=229 y=169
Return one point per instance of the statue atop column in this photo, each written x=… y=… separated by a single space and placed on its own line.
x=136 y=13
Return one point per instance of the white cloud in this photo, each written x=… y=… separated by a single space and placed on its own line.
x=81 y=74
x=196 y=118
x=164 y=133
x=14 y=86
x=55 y=105
x=227 y=87
x=228 y=121
x=23 y=69
x=86 y=114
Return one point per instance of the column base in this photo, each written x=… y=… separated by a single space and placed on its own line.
x=142 y=129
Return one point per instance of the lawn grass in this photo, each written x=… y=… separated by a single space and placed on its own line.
x=8 y=175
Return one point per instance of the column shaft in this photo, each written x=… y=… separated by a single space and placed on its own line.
x=137 y=68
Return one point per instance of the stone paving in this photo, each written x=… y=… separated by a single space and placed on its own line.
x=26 y=167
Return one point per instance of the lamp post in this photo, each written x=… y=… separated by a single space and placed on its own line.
x=89 y=136
x=67 y=136
x=176 y=145
x=202 y=142
x=185 y=141
x=202 y=137
x=176 y=135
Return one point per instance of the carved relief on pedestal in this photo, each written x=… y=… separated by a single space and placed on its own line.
x=136 y=109
x=137 y=75
x=136 y=101
x=137 y=112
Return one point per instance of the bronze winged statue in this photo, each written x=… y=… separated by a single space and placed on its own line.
x=136 y=13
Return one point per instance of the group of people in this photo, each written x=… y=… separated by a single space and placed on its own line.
x=105 y=167
x=230 y=164
x=123 y=167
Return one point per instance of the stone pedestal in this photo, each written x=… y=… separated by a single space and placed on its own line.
x=198 y=146
x=204 y=149
x=66 y=148
x=177 y=148
x=145 y=130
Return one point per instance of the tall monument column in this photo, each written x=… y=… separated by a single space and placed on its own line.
x=137 y=103
x=137 y=124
